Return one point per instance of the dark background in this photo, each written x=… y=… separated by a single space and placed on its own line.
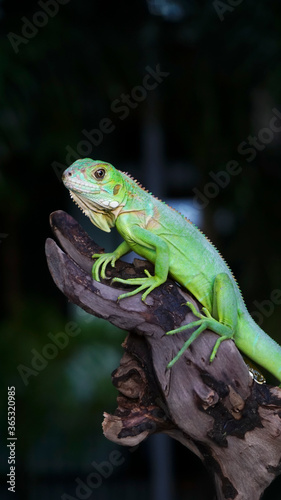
x=62 y=78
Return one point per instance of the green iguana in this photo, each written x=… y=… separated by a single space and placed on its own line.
x=174 y=245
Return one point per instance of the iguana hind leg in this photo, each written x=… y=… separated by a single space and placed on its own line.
x=222 y=320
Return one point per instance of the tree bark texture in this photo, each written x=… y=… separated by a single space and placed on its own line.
x=216 y=410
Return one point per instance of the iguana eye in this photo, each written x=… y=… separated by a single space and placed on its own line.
x=99 y=174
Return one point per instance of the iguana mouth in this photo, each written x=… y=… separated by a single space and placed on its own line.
x=100 y=205
x=79 y=186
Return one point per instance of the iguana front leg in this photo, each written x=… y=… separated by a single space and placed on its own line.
x=222 y=321
x=155 y=249
x=105 y=258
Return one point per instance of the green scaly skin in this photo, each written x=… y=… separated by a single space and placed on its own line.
x=174 y=245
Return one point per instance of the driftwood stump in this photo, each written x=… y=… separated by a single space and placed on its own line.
x=216 y=410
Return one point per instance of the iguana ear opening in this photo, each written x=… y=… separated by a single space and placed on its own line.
x=116 y=189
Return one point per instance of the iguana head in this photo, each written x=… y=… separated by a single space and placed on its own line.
x=97 y=188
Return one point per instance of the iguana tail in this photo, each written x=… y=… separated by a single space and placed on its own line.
x=258 y=346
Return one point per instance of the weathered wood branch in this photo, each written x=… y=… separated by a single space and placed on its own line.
x=216 y=410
